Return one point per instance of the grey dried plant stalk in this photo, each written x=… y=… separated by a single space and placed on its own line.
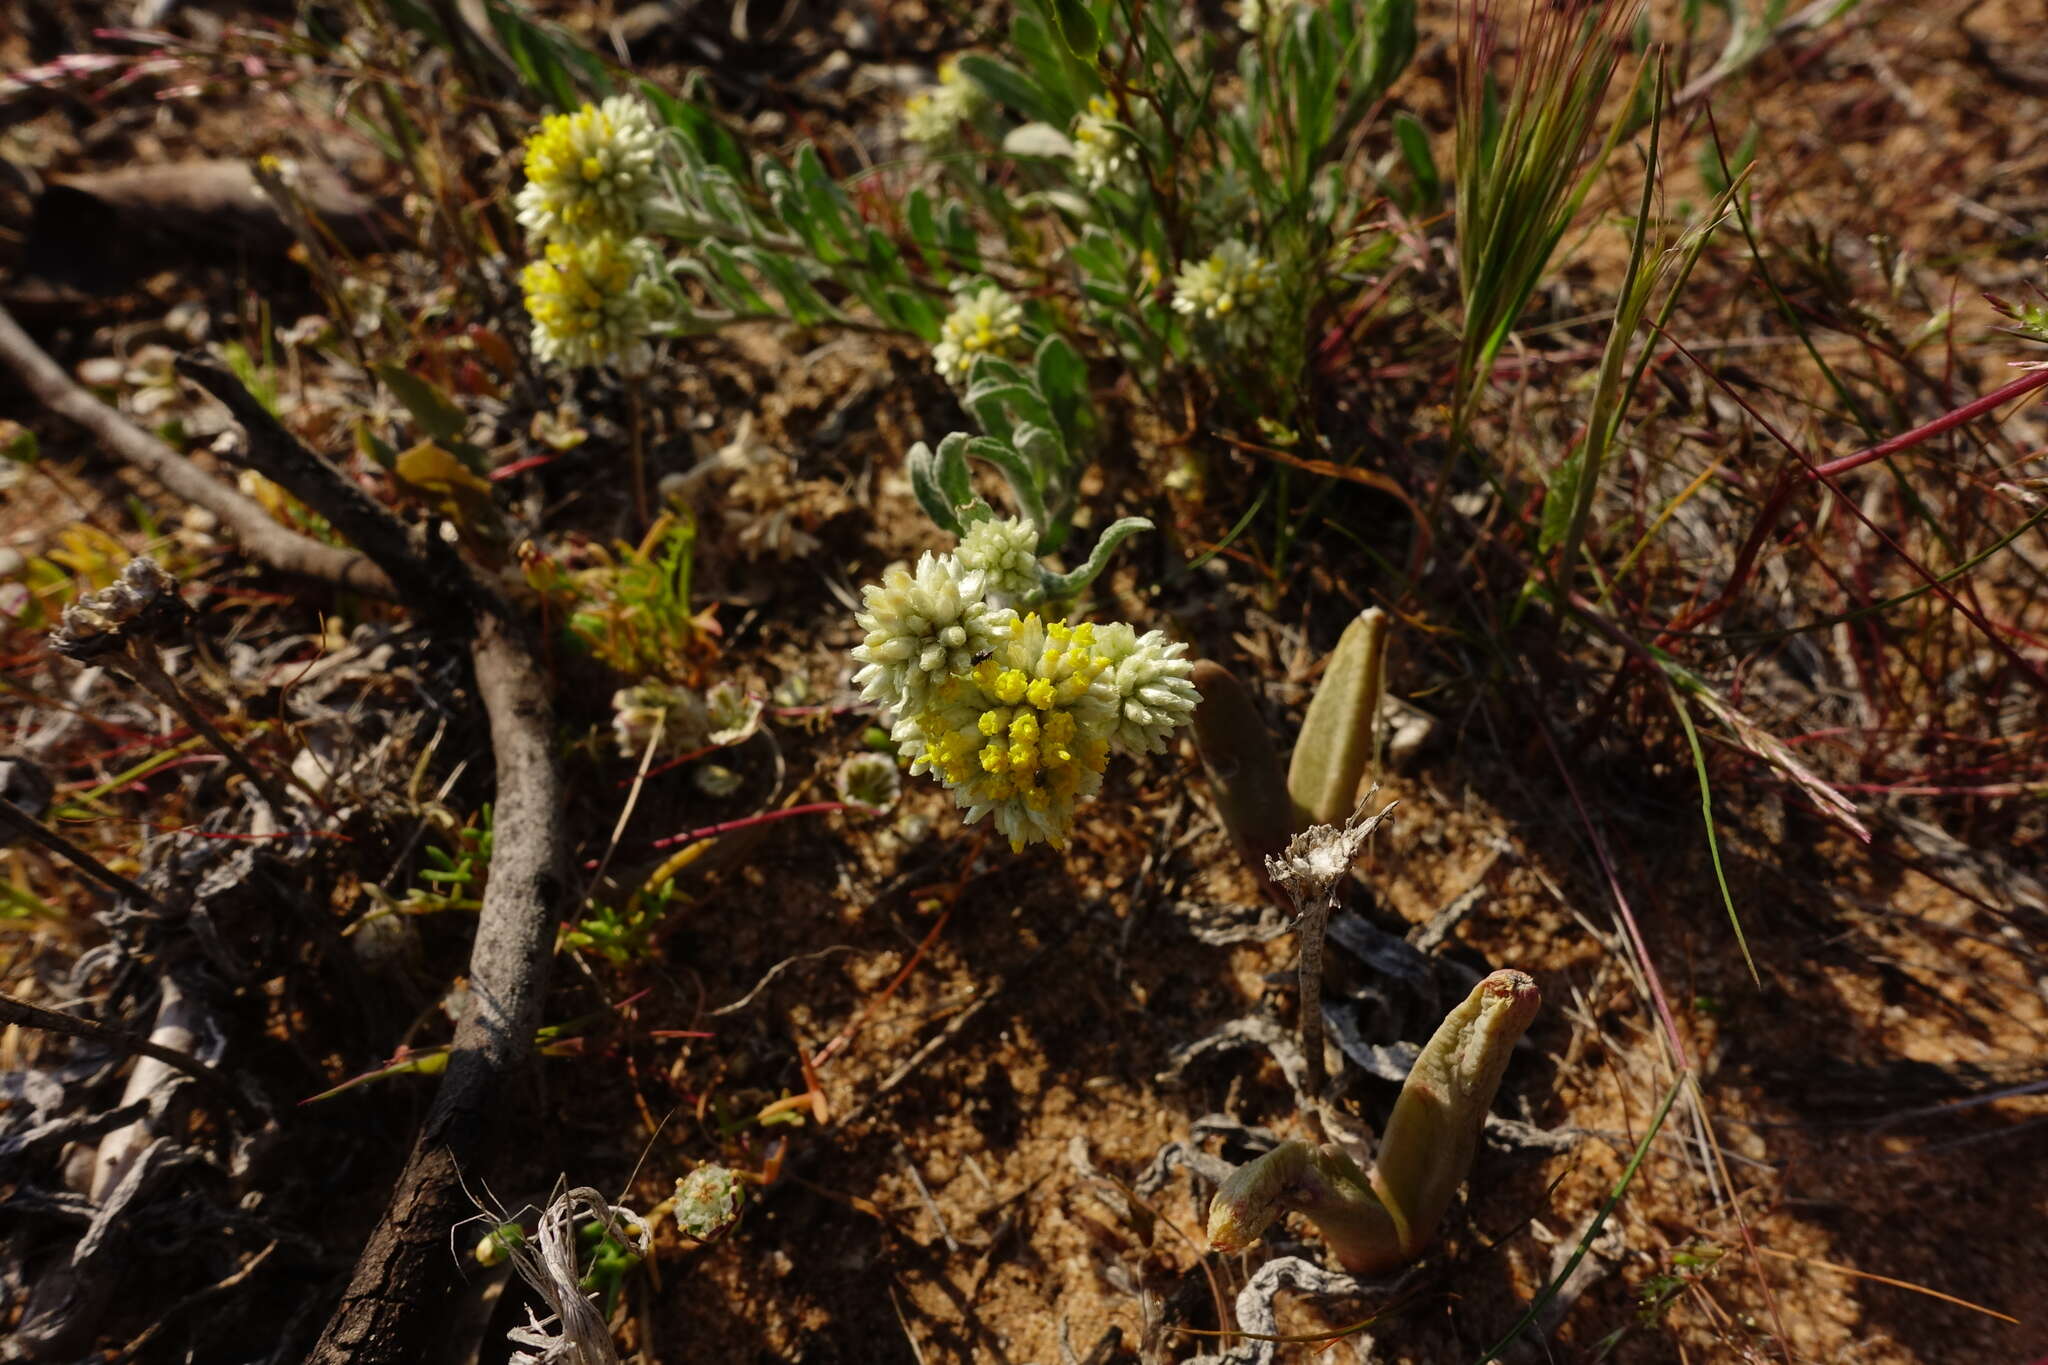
x=1379 y=1223
x=1310 y=871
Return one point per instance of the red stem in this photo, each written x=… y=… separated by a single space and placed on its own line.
x=748 y=822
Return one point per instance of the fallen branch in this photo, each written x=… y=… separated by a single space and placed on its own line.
x=211 y=1080
x=394 y=1306
x=261 y=536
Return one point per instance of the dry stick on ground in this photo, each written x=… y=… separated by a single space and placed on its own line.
x=278 y=546
x=394 y=1307
x=20 y=1012
x=22 y=823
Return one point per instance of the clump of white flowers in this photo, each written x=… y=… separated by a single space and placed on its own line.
x=1150 y=676
x=985 y=321
x=593 y=302
x=923 y=628
x=1255 y=16
x=933 y=116
x=1004 y=551
x=589 y=171
x=1231 y=290
x=1016 y=716
x=1103 y=152
x=595 y=286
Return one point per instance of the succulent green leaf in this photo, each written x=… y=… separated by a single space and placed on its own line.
x=1246 y=776
x=1336 y=743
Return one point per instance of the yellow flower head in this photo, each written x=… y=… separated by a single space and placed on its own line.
x=985 y=322
x=1024 y=734
x=933 y=116
x=590 y=171
x=1231 y=290
x=590 y=302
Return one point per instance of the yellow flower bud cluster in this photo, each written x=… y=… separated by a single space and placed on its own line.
x=932 y=117
x=1230 y=290
x=590 y=171
x=591 y=302
x=984 y=322
x=594 y=288
x=1017 y=717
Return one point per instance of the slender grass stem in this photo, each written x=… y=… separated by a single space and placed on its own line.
x=141 y=660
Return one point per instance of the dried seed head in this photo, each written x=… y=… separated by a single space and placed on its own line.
x=143 y=605
x=1316 y=859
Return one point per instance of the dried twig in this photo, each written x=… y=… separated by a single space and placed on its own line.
x=391 y=1310
x=20 y=821
x=13 y=1011
x=276 y=545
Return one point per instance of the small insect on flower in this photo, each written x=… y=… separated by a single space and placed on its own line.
x=1004 y=551
x=1103 y=152
x=1023 y=735
x=922 y=628
x=984 y=322
x=932 y=117
x=592 y=302
x=591 y=171
x=1230 y=289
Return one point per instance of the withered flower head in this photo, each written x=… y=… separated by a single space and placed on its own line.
x=142 y=605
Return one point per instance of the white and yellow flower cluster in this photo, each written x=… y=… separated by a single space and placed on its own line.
x=592 y=301
x=1004 y=551
x=1255 y=16
x=593 y=289
x=590 y=171
x=1231 y=289
x=932 y=117
x=986 y=321
x=1016 y=716
x=1103 y=152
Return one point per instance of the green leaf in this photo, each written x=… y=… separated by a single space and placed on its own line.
x=699 y=128
x=1008 y=86
x=1245 y=772
x=1560 y=498
x=1077 y=27
x=1063 y=379
x=924 y=484
x=1336 y=748
x=1067 y=584
x=1414 y=142
x=1018 y=398
x=1022 y=479
x=432 y=411
x=828 y=202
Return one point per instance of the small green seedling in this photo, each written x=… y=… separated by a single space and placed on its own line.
x=1378 y=1223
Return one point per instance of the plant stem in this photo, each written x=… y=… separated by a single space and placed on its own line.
x=13 y=1011
x=1315 y=918
x=142 y=662
x=20 y=820
x=633 y=409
